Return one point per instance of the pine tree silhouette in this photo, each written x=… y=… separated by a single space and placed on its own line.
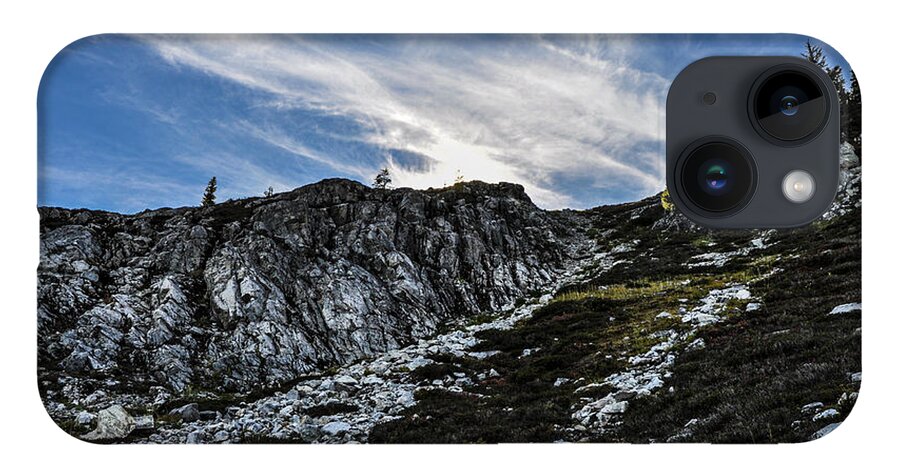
x=815 y=54
x=382 y=180
x=209 y=195
x=854 y=114
x=849 y=102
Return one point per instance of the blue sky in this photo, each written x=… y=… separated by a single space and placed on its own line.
x=128 y=123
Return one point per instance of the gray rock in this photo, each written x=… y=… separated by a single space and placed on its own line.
x=308 y=432
x=418 y=362
x=143 y=422
x=335 y=428
x=195 y=437
x=85 y=418
x=811 y=408
x=824 y=431
x=187 y=413
x=346 y=380
x=268 y=407
x=829 y=413
x=221 y=436
x=256 y=428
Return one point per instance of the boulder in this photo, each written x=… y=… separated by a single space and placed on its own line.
x=187 y=413
x=335 y=428
x=195 y=437
x=113 y=423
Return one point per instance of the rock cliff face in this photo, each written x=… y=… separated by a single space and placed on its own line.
x=255 y=292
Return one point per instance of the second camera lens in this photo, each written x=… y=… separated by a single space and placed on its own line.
x=789 y=105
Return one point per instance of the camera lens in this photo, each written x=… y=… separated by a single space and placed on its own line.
x=717 y=175
x=713 y=177
x=789 y=105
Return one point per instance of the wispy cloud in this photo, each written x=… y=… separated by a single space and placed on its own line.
x=131 y=192
x=530 y=110
x=133 y=99
x=279 y=138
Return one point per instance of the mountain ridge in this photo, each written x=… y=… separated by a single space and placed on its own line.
x=336 y=313
x=405 y=244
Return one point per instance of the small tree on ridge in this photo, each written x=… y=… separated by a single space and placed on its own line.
x=209 y=195
x=382 y=180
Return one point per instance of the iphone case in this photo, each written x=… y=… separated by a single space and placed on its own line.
x=420 y=239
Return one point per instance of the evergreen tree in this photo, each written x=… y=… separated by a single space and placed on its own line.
x=849 y=113
x=382 y=180
x=459 y=178
x=837 y=77
x=209 y=195
x=269 y=191
x=854 y=114
x=815 y=54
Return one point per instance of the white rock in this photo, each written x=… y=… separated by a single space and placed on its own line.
x=418 y=362
x=346 y=380
x=824 y=431
x=112 y=423
x=810 y=408
x=615 y=407
x=85 y=418
x=696 y=344
x=845 y=308
x=831 y=412
x=372 y=380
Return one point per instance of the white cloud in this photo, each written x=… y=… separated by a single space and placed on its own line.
x=525 y=109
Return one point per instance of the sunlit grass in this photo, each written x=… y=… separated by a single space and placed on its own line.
x=622 y=292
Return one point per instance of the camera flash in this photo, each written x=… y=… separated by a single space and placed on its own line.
x=798 y=186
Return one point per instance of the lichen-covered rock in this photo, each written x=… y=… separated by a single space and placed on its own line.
x=112 y=423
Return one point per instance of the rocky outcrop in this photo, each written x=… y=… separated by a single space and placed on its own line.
x=256 y=292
